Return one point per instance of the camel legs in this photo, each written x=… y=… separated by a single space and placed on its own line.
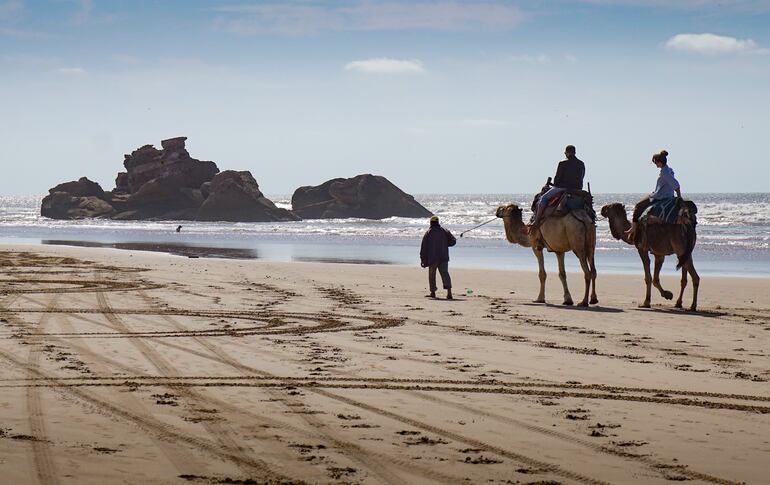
x=695 y=283
x=647 y=277
x=683 y=285
x=541 y=274
x=587 y=276
x=656 y=278
x=563 y=278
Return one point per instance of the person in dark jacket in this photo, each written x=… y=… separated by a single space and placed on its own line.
x=569 y=175
x=434 y=255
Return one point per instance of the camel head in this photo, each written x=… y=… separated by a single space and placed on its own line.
x=616 y=213
x=613 y=210
x=511 y=215
x=510 y=211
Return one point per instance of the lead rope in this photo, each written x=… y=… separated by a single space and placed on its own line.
x=476 y=227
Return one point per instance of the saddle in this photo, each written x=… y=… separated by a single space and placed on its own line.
x=672 y=210
x=568 y=201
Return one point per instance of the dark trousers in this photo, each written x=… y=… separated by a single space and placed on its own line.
x=639 y=208
x=442 y=268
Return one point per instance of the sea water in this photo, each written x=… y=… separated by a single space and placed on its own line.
x=733 y=235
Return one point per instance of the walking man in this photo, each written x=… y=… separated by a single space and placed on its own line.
x=434 y=255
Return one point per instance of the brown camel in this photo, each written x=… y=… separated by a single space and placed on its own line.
x=573 y=232
x=661 y=240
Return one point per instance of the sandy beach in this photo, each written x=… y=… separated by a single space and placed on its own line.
x=135 y=367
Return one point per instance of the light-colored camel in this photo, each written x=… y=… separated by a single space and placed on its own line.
x=661 y=240
x=573 y=232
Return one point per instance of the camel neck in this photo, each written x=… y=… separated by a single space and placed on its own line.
x=515 y=234
x=618 y=228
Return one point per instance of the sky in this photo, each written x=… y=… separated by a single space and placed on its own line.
x=438 y=96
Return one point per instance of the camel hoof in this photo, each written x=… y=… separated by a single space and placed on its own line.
x=539 y=300
x=583 y=304
x=693 y=309
x=594 y=301
x=678 y=304
x=644 y=305
x=567 y=303
x=668 y=295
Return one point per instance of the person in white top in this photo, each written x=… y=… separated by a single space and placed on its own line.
x=666 y=187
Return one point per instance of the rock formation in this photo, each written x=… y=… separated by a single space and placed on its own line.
x=165 y=184
x=365 y=196
x=168 y=184
x=78 y=199
x=235 y=196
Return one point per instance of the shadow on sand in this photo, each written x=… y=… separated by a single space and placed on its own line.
x=684 y=311
x=595 y=309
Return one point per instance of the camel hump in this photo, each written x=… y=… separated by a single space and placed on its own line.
x=571 y=201
x=671 y=210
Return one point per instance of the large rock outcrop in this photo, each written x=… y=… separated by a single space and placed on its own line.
x=80 y=188
x=235 y=196
x=165 y=184
x=363 y=196
x=79 y=199
x=162 y=184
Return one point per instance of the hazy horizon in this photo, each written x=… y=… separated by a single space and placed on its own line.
x=438 y=96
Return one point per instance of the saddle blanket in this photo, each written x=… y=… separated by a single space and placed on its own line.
x=566 y=202
x=670 y=211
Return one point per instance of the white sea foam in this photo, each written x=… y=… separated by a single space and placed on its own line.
x=727 y=222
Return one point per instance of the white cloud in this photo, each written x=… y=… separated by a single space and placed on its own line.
x=484 y=122
x=385 y=65
x=22 y=34
x=71 y=71
x=126 y=59
x=84 y=11
x=10 y=8
x=712 y=44
x=366 y=16
x=722 y=5
x=530 y=59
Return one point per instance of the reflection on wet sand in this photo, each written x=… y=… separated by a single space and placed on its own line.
x=320 y=259
x=177 y=249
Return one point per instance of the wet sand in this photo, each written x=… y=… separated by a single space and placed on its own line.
x=131 y=367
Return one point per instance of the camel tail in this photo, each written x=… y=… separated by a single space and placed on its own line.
x=689 y=236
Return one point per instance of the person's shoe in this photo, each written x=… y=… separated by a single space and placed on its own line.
x=432 y=295
x=449 y=295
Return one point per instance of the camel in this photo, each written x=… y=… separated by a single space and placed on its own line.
x=661 y=240
x=572 y=232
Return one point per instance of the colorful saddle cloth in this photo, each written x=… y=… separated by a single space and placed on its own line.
x=566 y=202
x=671 y=210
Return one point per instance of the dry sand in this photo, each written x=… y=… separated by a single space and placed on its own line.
x=128 y=367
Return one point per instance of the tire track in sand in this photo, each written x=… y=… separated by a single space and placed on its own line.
x=351 y=450
x=45 y=468
x=646 y=460
x=372 y=384
x=179 y=457
x=448 y=434
x=161 y=429
x=215 y=429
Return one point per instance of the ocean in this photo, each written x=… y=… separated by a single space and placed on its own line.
x=733 y=235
